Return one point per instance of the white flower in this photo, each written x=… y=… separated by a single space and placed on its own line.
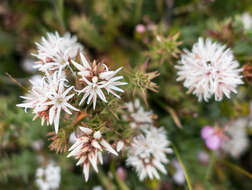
x=147 y=153
x=238 y=141
x=246 y=19
x=138 y=116
x=47 y=98
x=56 y=51
x=88 y=149
x=36 y=97
x=58 y=100
x=48 y=178
x=96 y=78
x=178 y=176
x=209 y=69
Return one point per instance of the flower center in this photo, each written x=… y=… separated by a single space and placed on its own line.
x=59 y=100
x=208 y=62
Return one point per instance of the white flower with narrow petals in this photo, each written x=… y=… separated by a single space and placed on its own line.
x=48 y=97
x=147 y=153
x=88 y=149
x=58 y=98
x=48 y=178
x=35 y=99
x=97 y=77
x=91 y=91
x=56 y=51
x=209 y=69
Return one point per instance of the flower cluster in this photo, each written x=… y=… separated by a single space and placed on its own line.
x=147 y=153
x=54 y=97
x=209 y=69
x=55 y=51
x=48 y=178
x=53 y=93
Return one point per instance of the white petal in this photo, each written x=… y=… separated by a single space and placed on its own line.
x=97 y=135
x=96 y=145
x=86 y=130
x=56 y=120
x=119 y=146
x=86 y=171
x=93 y=160
x=108 y=147
x=52 y=112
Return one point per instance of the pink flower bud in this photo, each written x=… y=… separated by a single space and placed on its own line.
x=140 y=28
x=121 y=173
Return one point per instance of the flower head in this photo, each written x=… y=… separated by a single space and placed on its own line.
x=209 y=69
x=147 y=153
x=48 y=97
x=56 y=51
x=88 y=149
x=96 y=78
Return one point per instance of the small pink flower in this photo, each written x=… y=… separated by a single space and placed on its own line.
x=140 y=28
x=213 y=142
x=206 y=132
x=212 y=136
x=121 y=173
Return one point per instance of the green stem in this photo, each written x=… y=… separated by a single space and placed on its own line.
x=183 y=167
x=59 y=8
